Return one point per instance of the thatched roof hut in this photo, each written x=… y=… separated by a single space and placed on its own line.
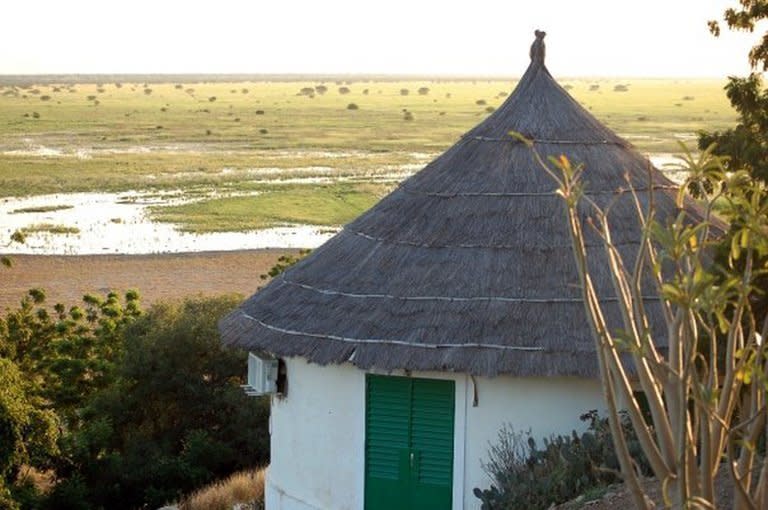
x=467 y=266
x=448 y=310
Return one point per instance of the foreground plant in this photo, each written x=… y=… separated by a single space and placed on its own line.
x=706 y=381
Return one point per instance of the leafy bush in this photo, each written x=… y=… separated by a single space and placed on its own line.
x=175 y=418
x=528 y=478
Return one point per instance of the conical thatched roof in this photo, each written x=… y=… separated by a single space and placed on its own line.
x=467 y=266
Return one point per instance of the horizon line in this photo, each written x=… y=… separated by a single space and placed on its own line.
x=323 y=76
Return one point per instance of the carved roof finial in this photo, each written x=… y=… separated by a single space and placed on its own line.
x=538 y=49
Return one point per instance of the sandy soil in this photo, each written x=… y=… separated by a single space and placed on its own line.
x=66 y=278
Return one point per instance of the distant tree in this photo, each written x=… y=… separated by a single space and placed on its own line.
x=178 y=86
x=259 y=112
x=746 y=144
x=366 y=92
x=91 y=98
x=352 y=106
x=45 y=98
x=480 y=102
x=148 y=91
x=321 y=89
x=344 y=90
x=212 y=99
x=745 y=18
x=404 y=92
x=423 y=91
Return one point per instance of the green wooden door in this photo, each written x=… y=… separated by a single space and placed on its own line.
x=409 y=443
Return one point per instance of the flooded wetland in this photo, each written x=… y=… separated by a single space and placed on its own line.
x=131 y=168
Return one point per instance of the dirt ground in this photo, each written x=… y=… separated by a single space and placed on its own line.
x=618 y=497
x=168 y=276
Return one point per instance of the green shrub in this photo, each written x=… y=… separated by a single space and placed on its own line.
x=174 y=420
x=526 y=477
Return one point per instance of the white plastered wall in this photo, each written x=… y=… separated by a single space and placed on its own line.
x=318 y=430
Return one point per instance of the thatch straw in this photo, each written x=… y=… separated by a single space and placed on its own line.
x=468 y=266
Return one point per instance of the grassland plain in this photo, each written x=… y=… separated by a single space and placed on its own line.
x=301 y=147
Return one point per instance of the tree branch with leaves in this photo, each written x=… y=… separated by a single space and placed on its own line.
x=705 y=378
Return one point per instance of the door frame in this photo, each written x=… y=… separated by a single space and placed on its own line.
x=462 y=387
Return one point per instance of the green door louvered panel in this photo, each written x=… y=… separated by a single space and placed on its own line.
x=432 y=412
x=387 y=423
x=409 y=443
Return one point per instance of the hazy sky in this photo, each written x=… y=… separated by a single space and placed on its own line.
x=585 y=37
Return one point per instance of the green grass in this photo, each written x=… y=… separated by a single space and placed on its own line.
x=41 y=209
x=49 y=228
x=268 y=139
x=172 y=139
x=322 y=205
